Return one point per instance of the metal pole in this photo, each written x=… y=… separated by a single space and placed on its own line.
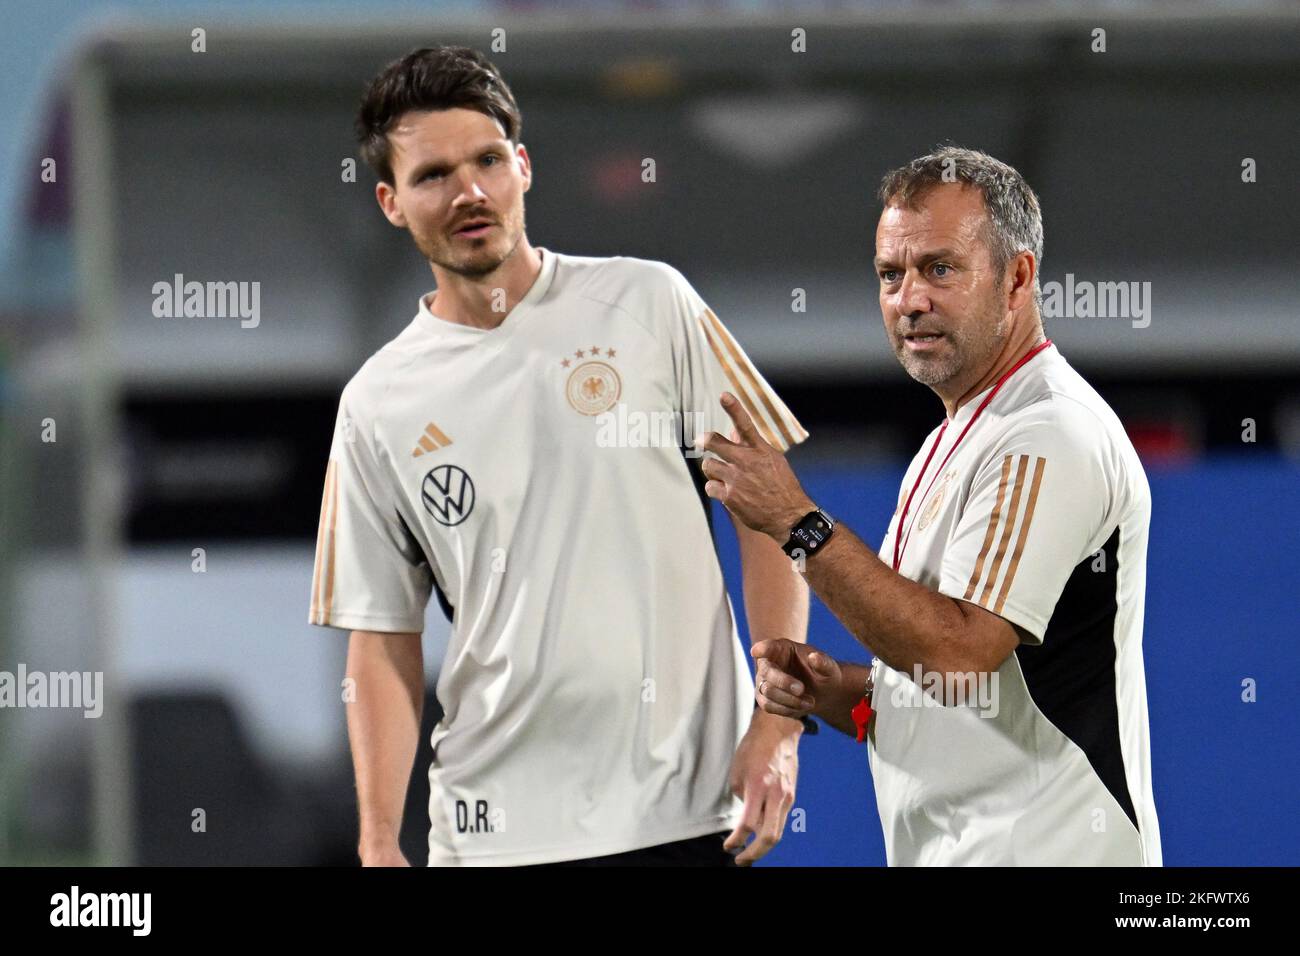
x=99 y=430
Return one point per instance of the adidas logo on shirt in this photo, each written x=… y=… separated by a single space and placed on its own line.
x=431 y=440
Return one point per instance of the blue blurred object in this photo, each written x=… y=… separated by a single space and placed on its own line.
x=1221 y=608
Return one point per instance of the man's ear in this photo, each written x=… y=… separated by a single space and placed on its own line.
x=1022 y=270
x=525 y=165
x=386 y=196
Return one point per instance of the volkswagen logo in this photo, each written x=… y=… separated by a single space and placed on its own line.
x=448 y=495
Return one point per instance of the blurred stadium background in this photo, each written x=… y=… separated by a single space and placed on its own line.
x=182 y=434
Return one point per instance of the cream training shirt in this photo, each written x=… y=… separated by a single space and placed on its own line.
x=594 y=688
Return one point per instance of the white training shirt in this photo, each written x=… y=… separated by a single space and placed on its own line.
x=1041 y=517
x=594 y=688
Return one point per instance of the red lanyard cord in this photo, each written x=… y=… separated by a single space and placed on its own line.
x=863 y=712
x=900 y=542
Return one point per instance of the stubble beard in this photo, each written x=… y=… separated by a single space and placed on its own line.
x=479 y=260
x=967 y=349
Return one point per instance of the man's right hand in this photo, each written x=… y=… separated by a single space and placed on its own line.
x=792 y=679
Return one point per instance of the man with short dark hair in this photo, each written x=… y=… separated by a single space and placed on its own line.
x=1005 y=712
x=506 y=449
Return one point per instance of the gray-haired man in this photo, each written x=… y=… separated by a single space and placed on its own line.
x=1005 y=712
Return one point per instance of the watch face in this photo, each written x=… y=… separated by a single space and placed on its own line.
x=808 y=536
x=810 y=533
x=815 y=529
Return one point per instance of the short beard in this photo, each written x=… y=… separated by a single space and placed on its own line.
x=967 y=349
x=474 y=268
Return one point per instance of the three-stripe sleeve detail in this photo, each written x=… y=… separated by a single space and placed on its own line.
x=322 y=586
x=1006 y=524
x=758 y=401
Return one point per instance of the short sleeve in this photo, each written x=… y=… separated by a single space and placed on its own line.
x=709 y=361
x=1036 y=509
x=370 y=572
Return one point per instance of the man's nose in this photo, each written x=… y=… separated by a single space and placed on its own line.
x=470 y=191
x=913 y=296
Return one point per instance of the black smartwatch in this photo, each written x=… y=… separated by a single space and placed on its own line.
x=810 y=535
